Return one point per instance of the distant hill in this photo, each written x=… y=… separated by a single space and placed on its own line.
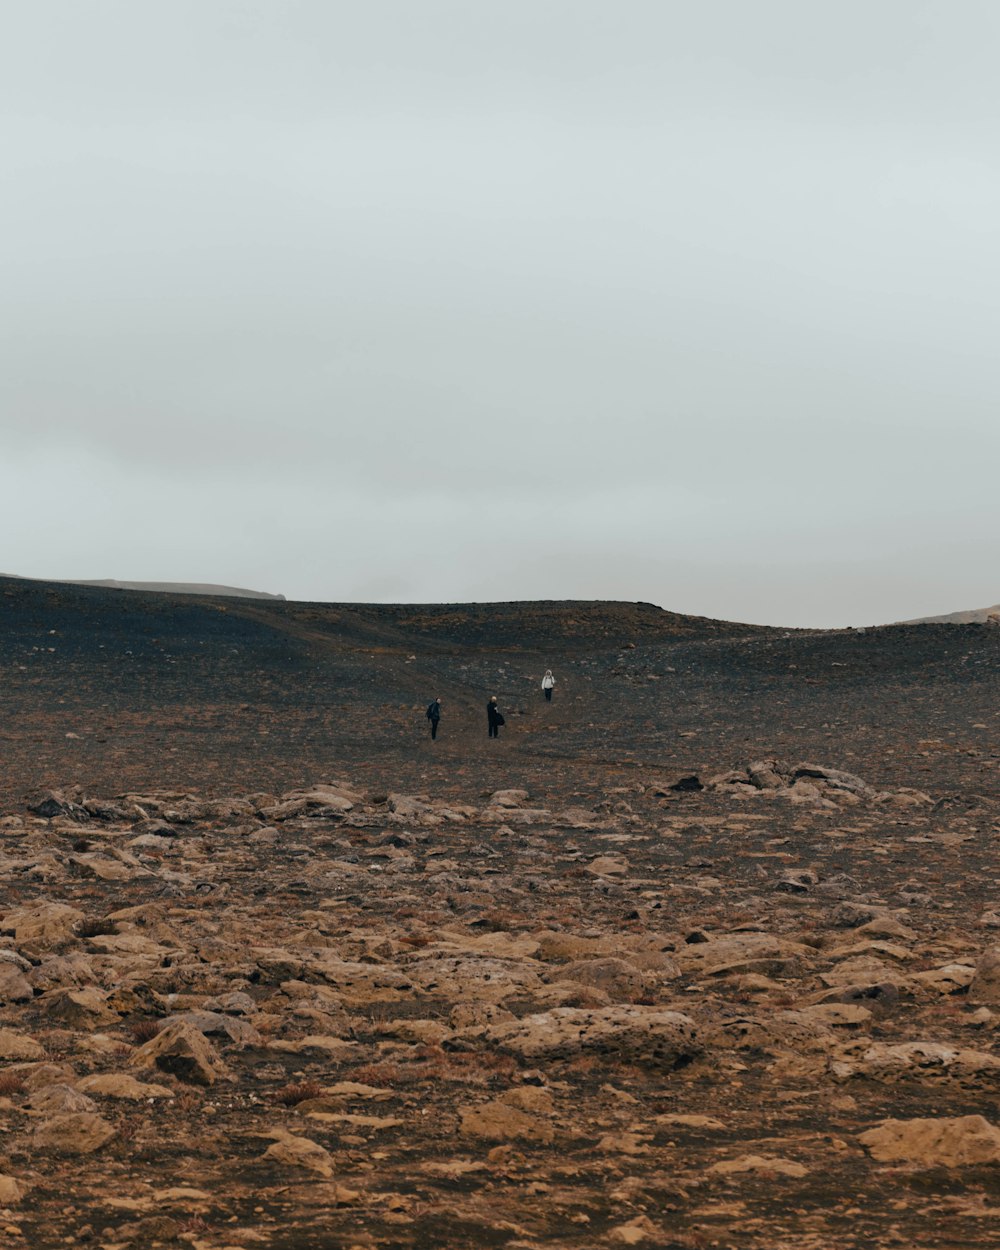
x=169 y=588
x=975 y=616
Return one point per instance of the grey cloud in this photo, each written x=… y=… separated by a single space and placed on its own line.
x=662 y=281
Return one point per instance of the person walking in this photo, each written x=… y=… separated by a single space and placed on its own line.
x=434 y=715
x=548 y=685
x=494 y=717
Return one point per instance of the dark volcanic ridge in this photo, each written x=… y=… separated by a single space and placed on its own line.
x=168 y=588
x=703 y=953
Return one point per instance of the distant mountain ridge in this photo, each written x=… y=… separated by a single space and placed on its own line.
x=167 y=588
x=975 y=616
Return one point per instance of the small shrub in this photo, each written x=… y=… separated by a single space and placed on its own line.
x=96 y=928
x=145 y=1030
x=484 y=1061
x=297 y=1091
x=195 y=1224
x=267 y=1024
x=187 y=1101
x=10 y=1083
x=387 y=1075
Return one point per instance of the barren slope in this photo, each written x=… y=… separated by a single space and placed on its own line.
x=278 y=971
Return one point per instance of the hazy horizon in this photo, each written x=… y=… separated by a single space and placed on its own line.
x=692 y=305
x=208 y=588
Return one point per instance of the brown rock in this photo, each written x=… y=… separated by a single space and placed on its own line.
x=11 y=1191
x=299 y=1152
x=926 y=1060
x=508 y=798
x=621 y=981
x=19 y=1046
x=743 y=953
x=40 y=926
x=76 y=1134
x=121 y=1085
x=635 y=1232
x=79 y=1009
x=59 y=1100
x=770 y=1164
x=14 y=987
x=648 y=1036
x=181 y=1050
x=609 y=866
x=949 y=1142
x=498 y=1121
x=984 y=988
x=566 y=947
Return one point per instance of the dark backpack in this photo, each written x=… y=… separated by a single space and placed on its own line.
x=431 y=709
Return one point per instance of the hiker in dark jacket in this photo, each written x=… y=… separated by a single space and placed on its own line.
x=494 y=717
x=434 y=715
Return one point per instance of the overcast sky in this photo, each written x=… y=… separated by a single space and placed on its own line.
x=693 y=303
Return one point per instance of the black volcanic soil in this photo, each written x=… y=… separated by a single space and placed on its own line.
x=825 y=938
x=220 y=695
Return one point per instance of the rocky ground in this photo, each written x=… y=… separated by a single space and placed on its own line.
x=625 y=981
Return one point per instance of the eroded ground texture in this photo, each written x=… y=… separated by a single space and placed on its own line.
x=704 y=954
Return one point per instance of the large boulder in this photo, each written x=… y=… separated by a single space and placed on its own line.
x=743 y=952
x=619 y=979
x=78 y=1009
x=650 y=1037
x=55 y=803
x=40 y=926
x=949 y=1142
x=922 y=1061
x=464 y=979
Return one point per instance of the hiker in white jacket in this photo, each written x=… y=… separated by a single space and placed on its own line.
x=548 y=684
